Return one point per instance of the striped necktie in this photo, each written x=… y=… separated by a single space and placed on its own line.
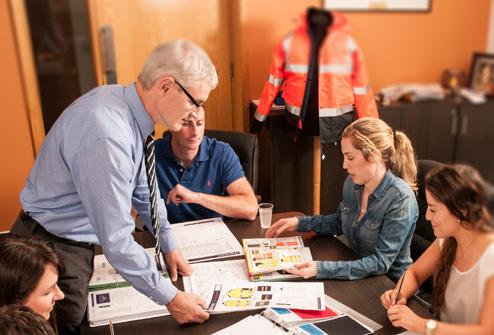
x=153 y=196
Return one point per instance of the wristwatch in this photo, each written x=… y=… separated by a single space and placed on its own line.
x=430 y=327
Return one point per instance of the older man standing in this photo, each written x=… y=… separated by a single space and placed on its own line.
x=91 y=171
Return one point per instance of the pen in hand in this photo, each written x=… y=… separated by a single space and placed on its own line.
x=399 y=288
x=111 y=328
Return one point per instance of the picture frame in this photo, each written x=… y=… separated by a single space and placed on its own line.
x=417 y=6
x=481 y=77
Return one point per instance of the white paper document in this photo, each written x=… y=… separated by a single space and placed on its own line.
x=238 y=296
x=253 y=324
x=112 y=298
x=302 y=322
x=205 y=275
x=207 y=239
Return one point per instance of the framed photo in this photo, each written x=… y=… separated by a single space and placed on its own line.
x=482 y=73
x=378 y=5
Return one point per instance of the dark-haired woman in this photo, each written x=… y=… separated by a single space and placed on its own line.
x=29 y=274
x=461 y=259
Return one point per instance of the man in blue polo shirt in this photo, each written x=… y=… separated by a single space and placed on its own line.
x=199 y=177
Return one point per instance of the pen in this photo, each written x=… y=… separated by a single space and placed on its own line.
x=399 y=288
x=200 y=221
x=111 y=329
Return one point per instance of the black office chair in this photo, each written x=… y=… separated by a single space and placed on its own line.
x=245 y=145
x=424 y=234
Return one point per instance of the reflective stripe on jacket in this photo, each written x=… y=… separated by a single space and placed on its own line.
x=343 y=81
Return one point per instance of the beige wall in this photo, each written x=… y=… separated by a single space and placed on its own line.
x=16 y=148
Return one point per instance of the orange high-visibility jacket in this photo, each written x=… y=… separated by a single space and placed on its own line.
x=343 y=82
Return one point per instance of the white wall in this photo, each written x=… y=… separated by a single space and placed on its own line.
x=490 y=34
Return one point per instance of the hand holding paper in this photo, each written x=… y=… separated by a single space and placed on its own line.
x=188 y=307
x=306 y=269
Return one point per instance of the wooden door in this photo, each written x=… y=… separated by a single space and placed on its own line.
x=139 y=26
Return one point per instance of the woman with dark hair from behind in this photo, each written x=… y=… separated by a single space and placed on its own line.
x=29 y=271
x=461 y=259
x=21 y=320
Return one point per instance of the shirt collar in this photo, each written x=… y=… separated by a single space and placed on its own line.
x=203 y=150
x=383 y=185
x=202 y=156
x=146 y=124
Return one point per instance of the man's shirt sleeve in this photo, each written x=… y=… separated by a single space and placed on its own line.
x=103 y=176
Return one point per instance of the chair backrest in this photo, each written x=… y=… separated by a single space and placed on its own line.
x=423 y=226
x=245 y=145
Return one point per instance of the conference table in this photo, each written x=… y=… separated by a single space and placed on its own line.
x=361 y=295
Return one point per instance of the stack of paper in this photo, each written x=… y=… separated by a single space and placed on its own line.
x=238 y=296
x=111 y=298
x=331 y=321
x=269 y=255
x=207 y=239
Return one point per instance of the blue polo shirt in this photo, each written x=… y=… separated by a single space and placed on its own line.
x=215 y=167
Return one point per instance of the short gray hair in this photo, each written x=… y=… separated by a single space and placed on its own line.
x=183 y=60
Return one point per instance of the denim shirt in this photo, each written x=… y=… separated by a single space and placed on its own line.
x=381 y=238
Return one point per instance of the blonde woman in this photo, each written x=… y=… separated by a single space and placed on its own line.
x=461 y=259
x=378 y=211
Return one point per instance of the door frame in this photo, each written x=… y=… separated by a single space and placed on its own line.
x=28 y=72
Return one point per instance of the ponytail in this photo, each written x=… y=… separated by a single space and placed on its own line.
x=371 y=135
x=403 y=163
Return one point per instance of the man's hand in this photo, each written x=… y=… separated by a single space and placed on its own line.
x=188 y=307
x=177 y=264
x=306 y=270
x=181 y=194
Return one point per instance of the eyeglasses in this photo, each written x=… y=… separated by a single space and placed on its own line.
x=198 y=105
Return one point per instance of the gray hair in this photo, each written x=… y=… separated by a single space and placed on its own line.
x=183 y=60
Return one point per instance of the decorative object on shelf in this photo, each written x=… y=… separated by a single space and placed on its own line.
x=482 y=73
x=379 y=5
x=453 y=79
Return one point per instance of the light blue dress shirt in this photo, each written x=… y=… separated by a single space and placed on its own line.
x=87 y=176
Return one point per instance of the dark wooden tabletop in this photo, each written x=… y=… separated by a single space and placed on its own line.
x=361 y=295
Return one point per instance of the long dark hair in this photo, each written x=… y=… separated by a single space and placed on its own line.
x=461 y=189
x=23 y=262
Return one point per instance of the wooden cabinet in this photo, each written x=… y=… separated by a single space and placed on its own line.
x=448 y=131
x=475 y=138
x=285 y=167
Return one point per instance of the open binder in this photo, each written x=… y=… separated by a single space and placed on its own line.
x=112 y=298
x=335 y=320
x=269 y=255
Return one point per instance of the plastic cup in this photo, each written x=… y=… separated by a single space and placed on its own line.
x=265 y=214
